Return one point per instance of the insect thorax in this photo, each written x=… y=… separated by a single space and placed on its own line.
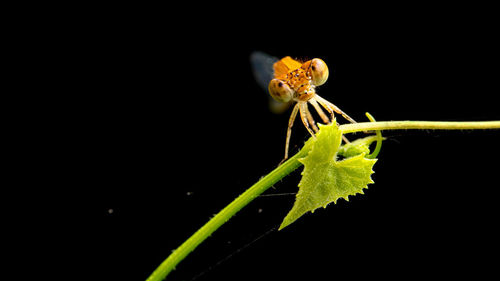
x=300 y=82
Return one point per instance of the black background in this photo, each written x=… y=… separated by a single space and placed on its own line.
x=165 y=126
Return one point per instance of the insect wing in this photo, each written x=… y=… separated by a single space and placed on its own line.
x=262 y=68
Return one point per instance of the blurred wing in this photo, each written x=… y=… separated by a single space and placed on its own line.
x=262 y=68
x=278 y=107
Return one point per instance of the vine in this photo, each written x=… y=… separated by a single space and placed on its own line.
x=325 y=178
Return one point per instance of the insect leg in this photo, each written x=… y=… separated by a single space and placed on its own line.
x=289 y=130
x=311 y=119
x=319 y=110
x=331 y=107
x=304 y=116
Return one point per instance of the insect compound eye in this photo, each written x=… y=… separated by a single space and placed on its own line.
x=319 y=72
x=280 y=91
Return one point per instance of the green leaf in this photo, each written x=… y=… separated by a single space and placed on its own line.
x=325 y=179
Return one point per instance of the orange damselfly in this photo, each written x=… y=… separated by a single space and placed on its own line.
x=289 y=81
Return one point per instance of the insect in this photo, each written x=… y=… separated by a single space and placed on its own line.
x=289 y=81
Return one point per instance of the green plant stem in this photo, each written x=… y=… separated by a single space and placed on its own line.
x=286 y=168
x=421 y=125
x=225 y=214
x=376 y=151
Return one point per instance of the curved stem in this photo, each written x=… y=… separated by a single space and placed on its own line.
x=376 y=151
x=225 y=214
x=286 y=168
